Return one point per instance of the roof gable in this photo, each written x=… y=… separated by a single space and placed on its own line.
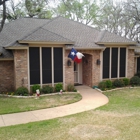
x=83 y=35
x=45 y=36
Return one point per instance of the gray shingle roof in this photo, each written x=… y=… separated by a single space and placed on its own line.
x=83 y=35
x=55 y=30
x=16 y=30
x=45 y=36
x=108 y=37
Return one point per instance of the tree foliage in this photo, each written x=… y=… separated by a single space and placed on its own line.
x=37 y=8
x=119 y=17
x=82 y=11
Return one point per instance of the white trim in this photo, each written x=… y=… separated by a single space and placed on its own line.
x=40 y=50
x=52 y=50
x=63 y=49
x=110 y=63
x=126 y=64
x=136 y=59
x=101 y=66
x=28 y=64
x=118 y=73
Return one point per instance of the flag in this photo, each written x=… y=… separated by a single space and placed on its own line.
x=75 y=56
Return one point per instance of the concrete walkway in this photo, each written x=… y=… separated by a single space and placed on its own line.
x=91 y=100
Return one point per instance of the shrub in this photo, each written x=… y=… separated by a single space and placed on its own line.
x=108 y=84
x=22 y=91
x=138 y=74
x=102 y=85
x=75 y=90
x=47 y=89
x=35 y=87
x=135 y=80
x=58 y=87
x=118 y=83
x=70 y=87
x=126 y=81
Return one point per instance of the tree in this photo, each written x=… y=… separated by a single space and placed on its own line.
x=15 y=11
x=3 y=13
x=37 y=8
x=132 y=14
x=85 y=11
x=122 y=18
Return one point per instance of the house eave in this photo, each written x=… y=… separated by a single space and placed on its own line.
x=45 y=42
x=86 y=48
x=133 y=47
x=117 y=43
x=16 y=48
x=6 y=59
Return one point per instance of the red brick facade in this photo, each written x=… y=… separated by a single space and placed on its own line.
x=91 y=71
x=6 y=76
x=21 y=68
x=131 y=63
x=15 y=73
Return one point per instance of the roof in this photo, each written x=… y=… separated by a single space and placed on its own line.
x=16 y=30
x=55 y=30
x=45 y=36
x=107 y=37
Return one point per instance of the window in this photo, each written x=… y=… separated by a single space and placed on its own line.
x=58 y=65
x=46 y=65
x=34 y=65
x=122 y=61
x=138 y=64
x=106 y=63
x=114 y=63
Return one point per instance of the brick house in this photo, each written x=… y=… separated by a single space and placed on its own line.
x=35 y=51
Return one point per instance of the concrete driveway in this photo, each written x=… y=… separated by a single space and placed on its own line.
x=91 y=99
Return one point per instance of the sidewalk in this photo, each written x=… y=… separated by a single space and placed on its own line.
x=91 y=99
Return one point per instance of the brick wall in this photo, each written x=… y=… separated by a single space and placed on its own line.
x=6 y=76
x=91 y=71
x=21 y=68
x=87 y=70
x=131 y=64
x=92 y=74
x=69 y=70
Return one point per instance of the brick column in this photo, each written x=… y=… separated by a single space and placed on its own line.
x=21 y=68
x=69 y=70
x=131 y=63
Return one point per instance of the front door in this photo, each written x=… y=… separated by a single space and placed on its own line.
x=78 y=73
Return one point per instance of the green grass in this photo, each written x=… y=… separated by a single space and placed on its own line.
x=14 y=105
x=123 y=101
x=118 y=120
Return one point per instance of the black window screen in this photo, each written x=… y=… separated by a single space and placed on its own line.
x=58 y=65
x=122 y=61
x=114 y=63
x=106 y=63
x=34 y=59
x=46 y=65
x=138 y=64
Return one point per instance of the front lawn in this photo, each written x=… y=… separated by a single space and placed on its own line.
x=13 y=105
x=118 y=120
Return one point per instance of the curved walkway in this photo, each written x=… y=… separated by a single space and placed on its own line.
x=91 y=99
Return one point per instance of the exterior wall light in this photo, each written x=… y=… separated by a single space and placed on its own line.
x=68 y=63
x=0 y=53
x=98 y=62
